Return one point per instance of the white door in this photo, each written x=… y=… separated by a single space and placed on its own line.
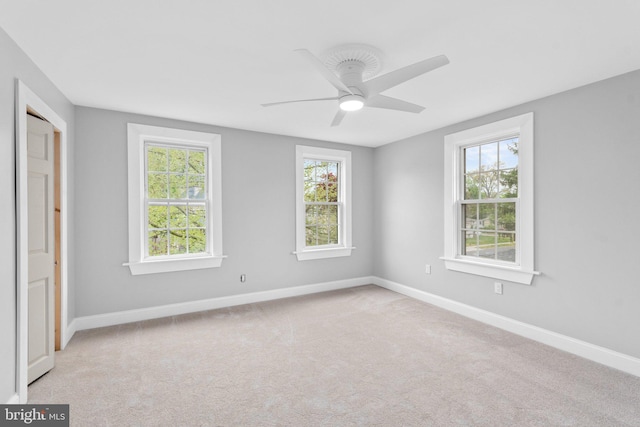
x=40 y=163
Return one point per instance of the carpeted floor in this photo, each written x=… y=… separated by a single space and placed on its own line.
x=358 y=357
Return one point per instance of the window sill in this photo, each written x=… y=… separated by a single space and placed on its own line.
x=510 y=274
x=322 y=253
x=169 y=265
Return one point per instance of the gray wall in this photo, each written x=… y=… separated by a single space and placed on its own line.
x=16 y=65
x=587 y=177
x=587 y=144
x=258 y=191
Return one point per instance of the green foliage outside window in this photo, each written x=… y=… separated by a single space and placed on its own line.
x=491 y=175
x=176 y=195
x=321 y=195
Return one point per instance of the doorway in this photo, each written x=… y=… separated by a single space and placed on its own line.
x=29 y=104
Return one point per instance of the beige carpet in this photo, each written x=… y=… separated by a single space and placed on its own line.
x=358 y=357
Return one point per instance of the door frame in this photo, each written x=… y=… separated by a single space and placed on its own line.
x=27 y=100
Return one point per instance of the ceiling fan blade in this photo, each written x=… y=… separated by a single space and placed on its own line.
x=326 y=73
x=401 y=75
x=386 y=102
x=271 y=104
x=338 y=117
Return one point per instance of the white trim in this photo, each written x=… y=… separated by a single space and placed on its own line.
x=110 y=319
x=13 y=400
x=73 y=327
x=137 y=134
x=511 y=274
x=25 y=97
x=524 y=271
x=302 y=252
x=580 y=348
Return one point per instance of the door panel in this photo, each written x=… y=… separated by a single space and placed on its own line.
x=41 y=247
x=38 y=235
x=38 y=337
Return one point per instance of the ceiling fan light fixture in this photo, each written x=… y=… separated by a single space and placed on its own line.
x=351 y=102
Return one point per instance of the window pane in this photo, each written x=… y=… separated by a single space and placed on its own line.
x=311 y=235
x=177 y=241
x=197 y=216
x=486 y=216
x=487 y=245
x=196 y=162
x=197 y=241
x=333 y=169
x=471 y=159
x=321 y=215
x=310 y=214
x=321 y=192
x=470 y=215
x=196 y=189
x=157 y=242
x=472 y=187
x=157 y=185
x=509 y=183
x=332 y=189
x=157 y=216
x=309 y=170
x=323 y=235
x=309 y=191
x=177 y=186
x=322 y=171
x=509 y=153
x=177 y=160
x=507 y=247
x=488 y=184
x=507 y=216
x=332 y=215
x=489 y=156
x=470 y=243
x=156 y=159
x=177 y=216
x=333 y=235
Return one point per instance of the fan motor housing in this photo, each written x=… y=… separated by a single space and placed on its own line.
x=369 y=56
x=351 y=73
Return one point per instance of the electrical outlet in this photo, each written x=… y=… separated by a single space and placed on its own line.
x=427 y=269
x=243 y=278
x=497 y=288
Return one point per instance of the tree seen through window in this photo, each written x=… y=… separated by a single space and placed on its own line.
x=321 y=196
x=488 y=211
x=175 y=200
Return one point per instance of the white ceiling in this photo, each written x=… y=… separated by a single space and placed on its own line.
x=215 y=62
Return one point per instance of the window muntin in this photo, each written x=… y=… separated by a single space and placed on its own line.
x=176 y=201
x=488 y=211
x=322 y=202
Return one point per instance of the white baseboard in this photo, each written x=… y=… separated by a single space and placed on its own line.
x=580 y=348
x=584 y=349
x=14 y=400
x=117 y=318
x=70 y=330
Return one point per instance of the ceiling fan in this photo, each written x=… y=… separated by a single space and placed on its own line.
x=346 y=68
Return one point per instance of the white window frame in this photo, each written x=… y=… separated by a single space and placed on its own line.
x=137 y=136
x=521 y=271
x=344 y=247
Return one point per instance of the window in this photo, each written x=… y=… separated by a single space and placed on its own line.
x=174 y=200
x=489 y=200
x=323 y=203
